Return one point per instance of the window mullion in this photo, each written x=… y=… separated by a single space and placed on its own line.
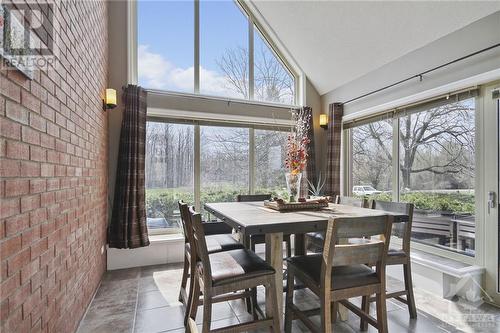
x=197 y=168
x=395 y=158
x=251 y=160
x=196 y=46
x=251 y=74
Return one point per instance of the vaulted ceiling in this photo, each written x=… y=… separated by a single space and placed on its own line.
x=335 y=42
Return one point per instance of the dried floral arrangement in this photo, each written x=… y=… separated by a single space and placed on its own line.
x=297 y=142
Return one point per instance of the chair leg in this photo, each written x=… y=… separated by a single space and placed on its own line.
x=410 y=298
x=247 y=242
x=365 y=306
x=381 y=312
x=253 y=301
x=289 y=301
x=194 y=298
x=192 y=284
x=274 y=305
x=207 y=311
x=185 y=272
x=326 y=311
x=335 y=310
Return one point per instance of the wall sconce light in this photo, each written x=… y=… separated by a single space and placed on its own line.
x=323 y=121
x=110 y=99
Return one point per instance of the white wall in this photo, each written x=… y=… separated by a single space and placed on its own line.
x=476 y=36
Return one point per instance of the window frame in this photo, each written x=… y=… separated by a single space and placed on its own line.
x=197 y=124
x=347 y=187
x=253 y=23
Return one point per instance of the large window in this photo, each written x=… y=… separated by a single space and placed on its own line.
x=169 y=173
x=437 y=159
x=436 y=169
x=209 y=53
x=224 y=163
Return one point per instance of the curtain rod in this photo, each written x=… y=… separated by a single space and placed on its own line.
x=420 y=75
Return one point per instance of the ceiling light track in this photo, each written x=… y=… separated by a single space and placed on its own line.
x=420 y=76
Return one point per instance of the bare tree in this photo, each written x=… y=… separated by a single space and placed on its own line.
x=234 y=66
x=273 y=83
x=438 y=141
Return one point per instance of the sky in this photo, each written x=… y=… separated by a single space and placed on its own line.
x=166 y=44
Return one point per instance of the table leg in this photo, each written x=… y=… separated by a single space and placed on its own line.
x=300 y=245
x=343 y=312
x=274 y=256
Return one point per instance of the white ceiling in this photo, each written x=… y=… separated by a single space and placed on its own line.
x=336 y=42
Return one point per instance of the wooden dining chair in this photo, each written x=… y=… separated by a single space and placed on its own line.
x=228 y=275
x=215 y=243
x=315 y=240
x=398 y=256
x=253 y=240
x=340 y=272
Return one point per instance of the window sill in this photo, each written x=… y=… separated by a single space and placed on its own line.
x=166 y=238
x=445 y=265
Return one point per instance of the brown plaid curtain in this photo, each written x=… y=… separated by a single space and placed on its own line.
x=333 y=145
x=128 y=223
x=310 y=172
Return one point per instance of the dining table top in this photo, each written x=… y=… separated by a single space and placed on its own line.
x=253 y=218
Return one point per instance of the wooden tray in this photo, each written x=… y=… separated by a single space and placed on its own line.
x=290 y=206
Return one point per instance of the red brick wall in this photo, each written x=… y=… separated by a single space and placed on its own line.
x=53 y=186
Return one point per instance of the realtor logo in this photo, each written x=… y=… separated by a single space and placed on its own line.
x=27 y=35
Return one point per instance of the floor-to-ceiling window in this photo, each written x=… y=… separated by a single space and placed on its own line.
x=435 y=155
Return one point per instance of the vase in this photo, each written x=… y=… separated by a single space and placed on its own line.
x=293 y=185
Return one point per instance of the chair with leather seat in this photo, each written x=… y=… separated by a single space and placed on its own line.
x=340 y=272
x=251 y=241
x=398 y=256
x=216 y=242
x=228 y=275
x=316 y=239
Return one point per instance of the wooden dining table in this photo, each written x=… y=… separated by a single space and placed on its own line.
x=252 y=218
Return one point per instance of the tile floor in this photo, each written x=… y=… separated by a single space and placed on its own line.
x=145 y=300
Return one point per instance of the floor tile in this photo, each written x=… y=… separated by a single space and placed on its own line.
x=149 y=294
x=159 y=319
x=151 y=299
x=108 y=323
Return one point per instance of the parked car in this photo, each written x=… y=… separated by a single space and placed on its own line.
x=365 y=190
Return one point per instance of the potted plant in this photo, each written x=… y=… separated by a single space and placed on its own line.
x=315 y=190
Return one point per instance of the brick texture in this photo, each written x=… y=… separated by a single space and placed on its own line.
x=53 y=187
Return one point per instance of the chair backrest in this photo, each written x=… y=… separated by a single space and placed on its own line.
x=200 y=251
x=351 y=201
x=252 y=197
x=185 y=221
x=371 y=251
x=402 y=229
